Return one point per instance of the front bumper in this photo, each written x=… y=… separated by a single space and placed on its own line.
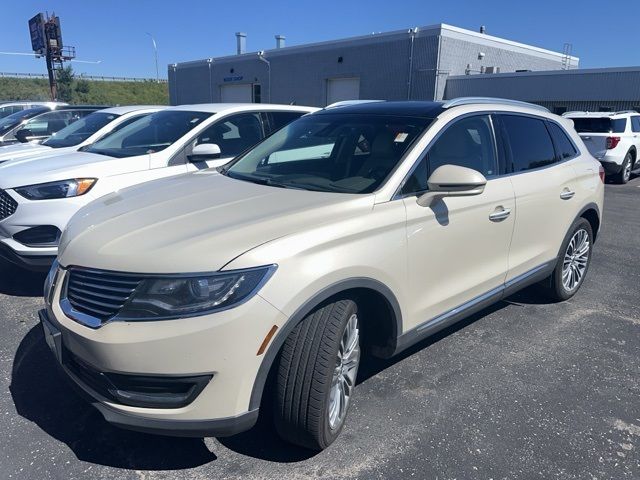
x=223 y=345
x=29 y=214
x=40 y=263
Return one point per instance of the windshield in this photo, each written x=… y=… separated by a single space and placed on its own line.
x=346 y=153
x=599 y=125
x=10 y=121
x=150 y=134
x=80 y=130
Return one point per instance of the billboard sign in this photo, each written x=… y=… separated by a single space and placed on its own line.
x=36 y=30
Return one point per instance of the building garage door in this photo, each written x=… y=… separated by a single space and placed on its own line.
x=339 y=89
x=236 y=93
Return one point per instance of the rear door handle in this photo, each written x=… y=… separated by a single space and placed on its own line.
x=499 y=214
x=567 y=194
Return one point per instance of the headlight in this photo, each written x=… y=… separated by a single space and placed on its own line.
x=161 y=298
x=62 y=189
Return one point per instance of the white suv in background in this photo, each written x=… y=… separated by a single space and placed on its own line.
x=613 y=138
x=364 y=227
x=82 y=132
x=39 y=196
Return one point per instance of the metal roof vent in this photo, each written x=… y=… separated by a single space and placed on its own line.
x=241 y=43
x=483 y=29
x=280 y=41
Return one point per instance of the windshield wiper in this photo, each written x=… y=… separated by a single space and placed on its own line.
x=262 y=181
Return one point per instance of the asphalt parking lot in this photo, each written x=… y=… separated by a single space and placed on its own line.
x=522 y=390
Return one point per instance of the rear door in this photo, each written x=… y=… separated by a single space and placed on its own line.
x=544 y=187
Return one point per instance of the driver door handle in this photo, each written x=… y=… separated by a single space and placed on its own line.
x=567 y=194
x=499 y=214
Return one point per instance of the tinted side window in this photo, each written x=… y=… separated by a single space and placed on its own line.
x=280 y=119
x=635 y=124
x=529 y=142
x=564 y=146
x=49 y=123
x=467 y=143
x=233 y=134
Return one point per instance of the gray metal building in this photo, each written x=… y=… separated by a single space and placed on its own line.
x=599 y=89
x=409 y=64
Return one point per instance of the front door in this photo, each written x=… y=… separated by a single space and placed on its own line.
x=458 y=247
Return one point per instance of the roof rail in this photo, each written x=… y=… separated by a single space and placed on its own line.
x=344 y=103
x=456 y=102
x=625 y=111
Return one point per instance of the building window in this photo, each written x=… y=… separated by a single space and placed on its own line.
x=257 y=93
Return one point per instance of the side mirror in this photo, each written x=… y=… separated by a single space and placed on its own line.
x=204 y=151
x=23 y=135
x=452 y=181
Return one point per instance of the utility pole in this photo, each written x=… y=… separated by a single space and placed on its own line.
x=155 y=50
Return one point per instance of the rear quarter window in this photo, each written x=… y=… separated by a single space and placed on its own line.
x=564 y=146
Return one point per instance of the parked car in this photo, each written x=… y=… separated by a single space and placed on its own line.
x=39 y=123
x=8 y=108
x=173 y=302
x=38 y=197
x=76 y=135
x=611 y=137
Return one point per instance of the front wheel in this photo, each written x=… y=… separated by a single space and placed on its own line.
x=316 y=375
x=573 y=262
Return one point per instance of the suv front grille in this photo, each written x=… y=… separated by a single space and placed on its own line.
x=100 y=294
x=8 y=205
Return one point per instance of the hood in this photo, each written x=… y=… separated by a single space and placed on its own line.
x=9 y=151
x=21 y=151
x=196 y=222
x=61 y=166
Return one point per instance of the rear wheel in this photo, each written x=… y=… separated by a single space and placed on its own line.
x=573 y=262
x=627 y=166
x=316 y=375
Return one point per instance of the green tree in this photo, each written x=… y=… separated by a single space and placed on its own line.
x=65 y=84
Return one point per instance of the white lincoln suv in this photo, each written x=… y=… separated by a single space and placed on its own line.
x=613 y=138
x=177 y=305
x=39 y=195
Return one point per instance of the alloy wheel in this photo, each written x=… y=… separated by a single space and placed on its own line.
x=576 y=259
x=344 y=373
x=627 y=168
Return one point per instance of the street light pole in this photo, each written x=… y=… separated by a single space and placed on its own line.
x=155 y=50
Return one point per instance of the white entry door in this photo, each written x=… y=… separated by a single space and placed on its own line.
x=340 y=89
x=236 y=94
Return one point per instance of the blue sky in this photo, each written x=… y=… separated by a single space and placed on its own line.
x=603 y=33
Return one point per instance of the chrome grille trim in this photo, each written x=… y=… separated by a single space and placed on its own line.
x=8 y=205
x=99 y=295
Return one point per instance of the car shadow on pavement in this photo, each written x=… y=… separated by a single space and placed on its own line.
x=43 y=396
x=17 y=282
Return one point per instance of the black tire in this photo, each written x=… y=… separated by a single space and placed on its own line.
x=305 y=370
x=555 y=290
x=625 y=173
